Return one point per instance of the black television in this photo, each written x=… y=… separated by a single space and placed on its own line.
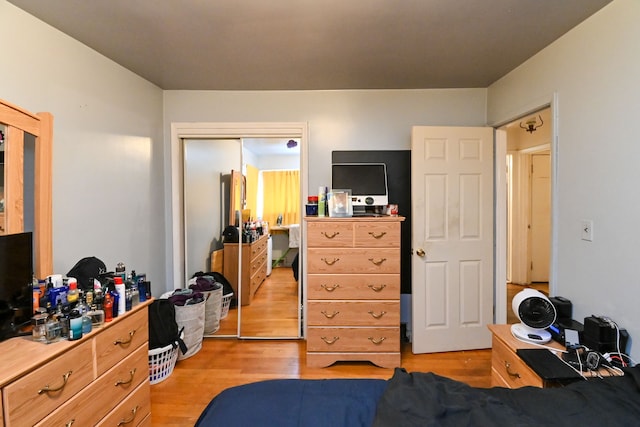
x=16 y=279
x=367 y=182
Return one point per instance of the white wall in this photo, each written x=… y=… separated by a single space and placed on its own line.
x=107 y=150
x=594 y=70
x=338 y=120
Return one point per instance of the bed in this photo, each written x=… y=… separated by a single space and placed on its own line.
x=424 y=399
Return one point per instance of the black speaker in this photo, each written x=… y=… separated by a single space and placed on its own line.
x=564 y=308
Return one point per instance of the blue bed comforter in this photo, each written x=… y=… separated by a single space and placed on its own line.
x=296 y=403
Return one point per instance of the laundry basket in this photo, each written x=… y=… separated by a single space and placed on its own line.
x=213 y=307
x=191 y=318
x=226 y=303
x=162 y=361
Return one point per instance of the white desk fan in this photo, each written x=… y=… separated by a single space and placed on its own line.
x=536 y=313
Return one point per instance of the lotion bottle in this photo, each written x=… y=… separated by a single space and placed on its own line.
x=322 y=201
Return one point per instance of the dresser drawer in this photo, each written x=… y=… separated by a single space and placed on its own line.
x=355 y=261
x=353 y=286
x=26 y=404
x=95 y=401
x=330 y=234
x=121 y=339
x=353 y=339
x=377 y=234
x=257 y=247
x=353 y=313
x=257 y=262
x=257 y=278
x=134 y=410
x=513 y=370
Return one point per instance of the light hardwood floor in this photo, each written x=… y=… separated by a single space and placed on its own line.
x=222 y=363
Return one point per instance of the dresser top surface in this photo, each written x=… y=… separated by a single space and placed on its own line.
x=20 y=355
x=379 y=218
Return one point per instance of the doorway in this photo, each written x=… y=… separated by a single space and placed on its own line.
x=528 y=190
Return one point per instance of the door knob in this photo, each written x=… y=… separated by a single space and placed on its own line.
x=420 y=252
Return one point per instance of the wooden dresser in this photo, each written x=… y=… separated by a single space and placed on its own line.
x=353 y=290
x=254 y=267
x=101 y=379
x=509 y=370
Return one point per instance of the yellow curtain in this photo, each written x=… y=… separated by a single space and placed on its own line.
x=252 y=190
x=281 y=196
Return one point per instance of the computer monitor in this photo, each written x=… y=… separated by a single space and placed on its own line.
x=367 y=182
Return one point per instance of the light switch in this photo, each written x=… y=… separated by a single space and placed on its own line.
x=587 y=230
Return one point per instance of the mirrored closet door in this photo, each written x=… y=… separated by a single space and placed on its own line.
x=223 y=189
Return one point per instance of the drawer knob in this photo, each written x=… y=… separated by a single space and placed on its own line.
x=130 y=420
x=377 y=262
x=329 y=340
x=70 y=423
x=377 y=341
x=377 y=235
x=49 y=389
x=329 y=315
x=378 y=315
x=330 y=236
x=125 y=382
x=507 y=365
x=124 y=342
x=329 y=288
x=377 y=288
x=330 y=262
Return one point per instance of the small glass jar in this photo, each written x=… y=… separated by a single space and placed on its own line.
x=53 y=330
x=39 y=331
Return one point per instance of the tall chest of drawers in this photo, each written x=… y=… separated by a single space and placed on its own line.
x=254 y=267
x=102 y=379
x=353 y=290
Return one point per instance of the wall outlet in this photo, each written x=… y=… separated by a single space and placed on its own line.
x=587 y=230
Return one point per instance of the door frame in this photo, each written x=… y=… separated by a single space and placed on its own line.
x=500 y=285
x=224 y=130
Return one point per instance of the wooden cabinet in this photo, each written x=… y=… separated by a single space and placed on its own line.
x=103 y=376
x=353 y=290
x=507 y=369
x=253 y=265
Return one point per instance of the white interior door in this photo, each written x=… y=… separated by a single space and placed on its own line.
x=452 y=238
x=540 y=235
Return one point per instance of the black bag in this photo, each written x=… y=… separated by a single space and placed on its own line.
x=163 y=329
x=86 y=269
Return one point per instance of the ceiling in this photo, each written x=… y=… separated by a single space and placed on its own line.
x=315 y=45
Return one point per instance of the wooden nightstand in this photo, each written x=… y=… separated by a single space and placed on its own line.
x=507 y=369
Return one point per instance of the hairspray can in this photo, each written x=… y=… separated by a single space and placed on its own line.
x=122 y=298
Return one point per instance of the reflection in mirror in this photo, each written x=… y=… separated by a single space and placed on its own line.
x=271 y=306
x=207 y=188
x=260 y=269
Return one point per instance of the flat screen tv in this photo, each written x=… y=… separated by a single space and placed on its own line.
x=16 y=275
x=367 y=182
